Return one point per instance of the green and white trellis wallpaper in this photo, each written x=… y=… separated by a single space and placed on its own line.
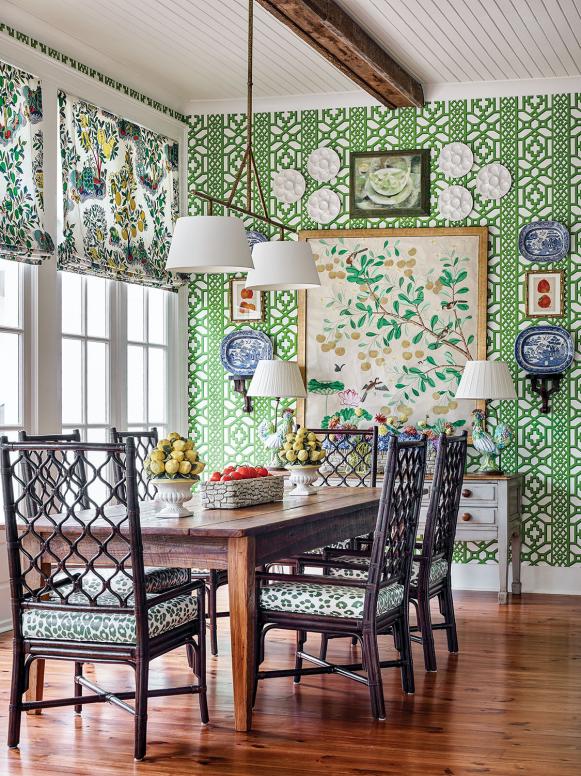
x=539 y=140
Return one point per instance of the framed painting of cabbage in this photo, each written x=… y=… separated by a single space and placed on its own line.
x=390 y=183
x=398 y=314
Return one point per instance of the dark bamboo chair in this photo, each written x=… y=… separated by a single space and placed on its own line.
x=431 y=570
x=432 y=575
x=78 y=590
x=363 y=608
x=213 y=578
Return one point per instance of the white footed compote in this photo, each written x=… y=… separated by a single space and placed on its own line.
x=302 y=478
x=172 y=495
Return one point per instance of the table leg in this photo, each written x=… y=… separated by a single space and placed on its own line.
x=35 y=689
x=503 y=568
x=241 y=589
x=516 y=543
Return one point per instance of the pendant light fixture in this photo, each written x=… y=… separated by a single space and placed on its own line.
x=203 y=246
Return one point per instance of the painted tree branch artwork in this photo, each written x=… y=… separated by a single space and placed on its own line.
x=398 y=315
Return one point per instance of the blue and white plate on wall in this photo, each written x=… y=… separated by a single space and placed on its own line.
x=544 y=350
x=543 y=241
x=241 y=351
x=255 y=237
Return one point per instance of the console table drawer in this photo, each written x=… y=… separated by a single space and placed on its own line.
x=472 y=493
x=477 y=515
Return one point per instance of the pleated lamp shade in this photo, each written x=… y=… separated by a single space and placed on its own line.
x=278 y=379
x=486 y=380
x=283 y=265
x=209 y=244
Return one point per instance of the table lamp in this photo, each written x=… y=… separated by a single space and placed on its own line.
x=279 y=380
x=487 y=380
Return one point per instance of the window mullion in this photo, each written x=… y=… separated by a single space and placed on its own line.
x=118 y=355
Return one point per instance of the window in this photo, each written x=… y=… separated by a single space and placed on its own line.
x=147 y=357
x=85 y=355
x=11 y=347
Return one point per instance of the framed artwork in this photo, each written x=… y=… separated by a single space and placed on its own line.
x=398 y=314
x=544 y=293
x=390 y=183
x=245 y=304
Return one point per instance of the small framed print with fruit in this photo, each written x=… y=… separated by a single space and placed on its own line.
x=544 y=294
x=245 y=304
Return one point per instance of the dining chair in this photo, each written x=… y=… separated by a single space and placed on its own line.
x=78 y=581
x=360 y=608
x=59 y=493
x=431 y=569
x=213 y=579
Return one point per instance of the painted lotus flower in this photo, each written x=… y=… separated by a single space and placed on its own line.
x=349 y=398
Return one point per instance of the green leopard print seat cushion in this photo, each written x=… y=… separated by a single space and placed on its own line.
x=438 y=569
x=71 y=625
x=325 y=600
x=160 y=579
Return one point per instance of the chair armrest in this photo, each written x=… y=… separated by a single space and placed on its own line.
x=331 y=564
x=350 y=553
x=174 y=592
x=316 y=580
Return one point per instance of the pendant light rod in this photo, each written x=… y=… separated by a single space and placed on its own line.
x=248 y=162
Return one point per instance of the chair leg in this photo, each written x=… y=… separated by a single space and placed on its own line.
x=447 y=609
x=371 y=658
x=425 y=623
x=212 y=612
x=324 y=645
x=16 y=691
x=301 y=638
x=405 y=651
x=78 y=688
x=141 y=688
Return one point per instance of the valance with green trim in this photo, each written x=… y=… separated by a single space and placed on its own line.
x=120 y=196
x=22 y=234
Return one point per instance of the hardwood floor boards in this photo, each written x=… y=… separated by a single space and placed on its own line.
x=509 y=704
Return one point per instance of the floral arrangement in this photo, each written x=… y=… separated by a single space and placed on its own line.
x=408 y=432
x=174 y=458
x=301 y=448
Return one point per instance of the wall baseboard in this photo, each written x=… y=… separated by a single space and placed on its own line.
x=535 y=579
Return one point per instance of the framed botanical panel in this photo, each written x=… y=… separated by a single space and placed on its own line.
x=390 y=183
x=398 y=314
x=544 y=293
x=245 y=304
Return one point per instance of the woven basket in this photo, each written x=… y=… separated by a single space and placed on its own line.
x=242 y=493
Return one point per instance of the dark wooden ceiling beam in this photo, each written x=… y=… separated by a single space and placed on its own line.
x=334 y=34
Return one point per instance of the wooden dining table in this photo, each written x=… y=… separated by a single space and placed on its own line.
x=239 y=540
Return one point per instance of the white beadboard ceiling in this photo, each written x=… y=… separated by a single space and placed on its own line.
x=191 y=54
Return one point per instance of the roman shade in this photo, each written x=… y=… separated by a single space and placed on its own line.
x=22 y=234
x=120 y=196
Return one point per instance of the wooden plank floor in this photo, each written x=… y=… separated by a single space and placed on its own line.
x=510 y=703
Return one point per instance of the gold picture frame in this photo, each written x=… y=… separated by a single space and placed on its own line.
x=480 y=278
x=548 y=302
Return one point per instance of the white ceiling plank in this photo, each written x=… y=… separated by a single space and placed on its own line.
x=193 y=52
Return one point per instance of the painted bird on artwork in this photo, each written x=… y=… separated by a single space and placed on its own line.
x=490 y=446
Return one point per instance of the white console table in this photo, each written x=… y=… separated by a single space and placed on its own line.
x=490 y=508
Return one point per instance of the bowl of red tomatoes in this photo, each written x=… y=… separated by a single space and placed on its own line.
x=241 y=486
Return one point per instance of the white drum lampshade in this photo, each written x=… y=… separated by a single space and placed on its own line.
x=209 y=244
x=486 y=380
x=278 y=379
x=283 y=265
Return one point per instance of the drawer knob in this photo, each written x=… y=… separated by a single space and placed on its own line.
x=466 y=517
x=425 y=491
x=466 y=493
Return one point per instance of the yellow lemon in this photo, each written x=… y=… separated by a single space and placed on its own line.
x=172 y=466
x=282 y=454
x=179 y=444
x=178 y=455
x=157 y=467
x=185 y=467
x=312 y=437
x=287 y=446
x=290 y=437
x=157 y=455
x=192 y=455
x=291 y=456
x=173 y=435
x=163 y=443
x=298 y=446
x=198 y=467
x=189 y=445
x=303 y=455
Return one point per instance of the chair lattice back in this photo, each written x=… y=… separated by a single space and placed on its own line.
x=145 y=441
x=97 y=540
x=351 y=458
x=442 y=516
x=397 y=520
x=61 y=493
